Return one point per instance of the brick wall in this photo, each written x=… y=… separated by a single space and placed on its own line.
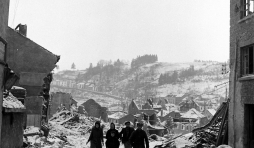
x=243 y=31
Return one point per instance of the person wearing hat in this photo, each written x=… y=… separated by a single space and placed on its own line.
x=139 y=137
x=112 y=137
x=125 y=134
x=96 y=136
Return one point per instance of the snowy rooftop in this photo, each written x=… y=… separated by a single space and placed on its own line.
x=116 y=108
x=156 y=106
x=212 y=111
x=117 y=115
x=202 y=103
x=179 y=95
x=193 y=113
x=164 y=113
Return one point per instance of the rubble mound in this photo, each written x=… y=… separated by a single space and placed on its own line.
x=12 y=102
x=66 y=129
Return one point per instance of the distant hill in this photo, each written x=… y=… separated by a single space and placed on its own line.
x=150 y=80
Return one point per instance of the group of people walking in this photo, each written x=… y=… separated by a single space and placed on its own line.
x=128 y=136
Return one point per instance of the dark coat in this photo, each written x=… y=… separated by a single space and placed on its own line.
x=139 y=138
x=112 y=142
x=126 y=133
x=96 y=137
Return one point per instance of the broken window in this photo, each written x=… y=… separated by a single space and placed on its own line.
x=247 y=7
x=247 y=60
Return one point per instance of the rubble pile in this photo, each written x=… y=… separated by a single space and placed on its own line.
x=66 y=129
x=71 y=130
x=12 y=102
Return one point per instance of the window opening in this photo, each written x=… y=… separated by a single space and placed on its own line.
x=247 y=7
x=247 y=60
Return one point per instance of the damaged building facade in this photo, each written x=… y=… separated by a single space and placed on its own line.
x=28 y=65
x=241 y=109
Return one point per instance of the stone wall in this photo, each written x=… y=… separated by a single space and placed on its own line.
x=241 y=34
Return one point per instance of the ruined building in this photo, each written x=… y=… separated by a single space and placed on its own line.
x=241 y=109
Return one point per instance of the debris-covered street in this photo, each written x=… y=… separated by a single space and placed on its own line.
x=126 y=74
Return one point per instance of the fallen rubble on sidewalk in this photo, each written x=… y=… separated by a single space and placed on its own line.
x=65 y=130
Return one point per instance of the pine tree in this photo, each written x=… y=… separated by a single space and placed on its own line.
x=91 y=66
x=73 y=66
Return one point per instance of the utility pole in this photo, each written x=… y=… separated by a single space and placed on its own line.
x=226 y=92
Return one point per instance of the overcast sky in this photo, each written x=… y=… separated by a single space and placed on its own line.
x=86 y=31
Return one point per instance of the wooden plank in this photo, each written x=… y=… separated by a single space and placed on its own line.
x=29 y=120
x=11 y=110
x=37 y=120
x=34 y=120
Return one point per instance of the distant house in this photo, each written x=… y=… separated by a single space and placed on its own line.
x=115 y=109
x=203 y=105
x=172 y=114
x=171 y=98
x=125 y=118
x=194 y=116
x=58 y=98
x=162 y=103
x=155 y=129
x=171 y=107
x=81 y=85
x=184 y=127
x=158 y=107
x=150 y=116
x=147 y=106
x=133 y=108
x=176 y=99
x=187 y=104
x=71 y=83
x=114 y=118
x=96 y=110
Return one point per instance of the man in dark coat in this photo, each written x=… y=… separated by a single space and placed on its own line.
x=96 y=136
x=125 y=134
x=112 y=137
x=139 y=138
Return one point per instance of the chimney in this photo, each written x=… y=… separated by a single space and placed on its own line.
x=22 y=29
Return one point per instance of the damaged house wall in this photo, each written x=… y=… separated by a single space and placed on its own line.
x=59 y=98
x=95 y=110
x=11 y=124
x=133 y=108
x=28 y=59
x=241 y=74
x=33 y=64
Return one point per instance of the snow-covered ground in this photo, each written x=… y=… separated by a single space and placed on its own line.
x=198 y=87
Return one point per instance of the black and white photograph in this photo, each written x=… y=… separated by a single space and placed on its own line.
x=127 y=73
